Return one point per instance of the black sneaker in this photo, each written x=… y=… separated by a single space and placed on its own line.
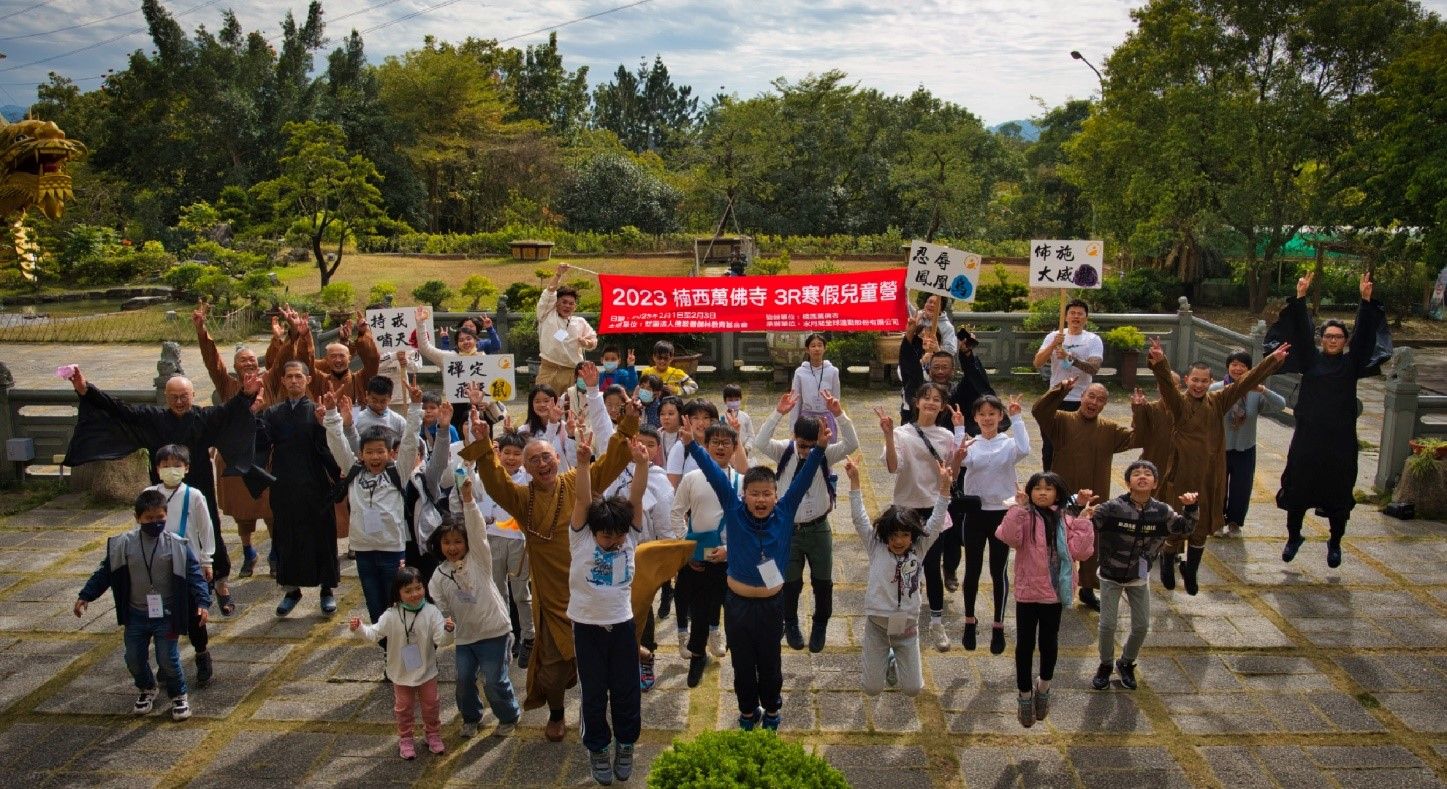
x=623 y=761
x=1089 y=600
x=1188 y=578
x=1333 y=554
x=1102 y=677
x=203 y=669
x=665 y=602
x=602 y=766
x=696 y=666
x=793 y=636
x=1288 y=551
x=1168 y=570
x=969 y=638
x=997 y=640
x=817 y=635
x=1127 y=674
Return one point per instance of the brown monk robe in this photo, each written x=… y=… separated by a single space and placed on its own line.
x=1152 y=423
x=232 y=497
x=1197 y=462
x=542 y=508
x=1084 y=444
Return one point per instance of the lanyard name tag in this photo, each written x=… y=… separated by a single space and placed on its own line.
x=620 y=569
x=372 y=521
x=898 y=624
x=466 y=596
x=412 y=657
x=561 y=335
x=154 y=608
x=770 y=573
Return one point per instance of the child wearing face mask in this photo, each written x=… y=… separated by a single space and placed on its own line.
x=733 y=397
x=188 y=518
x=650 y=394
x=615 y=373
x=896 y=543
x=156 y=583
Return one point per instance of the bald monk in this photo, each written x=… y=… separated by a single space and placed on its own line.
x=181 y=421
x=1084 y=443
x=232 y=497
x=1198 y=450
x=542 y=508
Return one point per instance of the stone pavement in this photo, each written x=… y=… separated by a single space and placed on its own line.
x=1274 y=675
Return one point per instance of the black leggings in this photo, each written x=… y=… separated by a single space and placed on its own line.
x=1337 y=524
x=979 y=529
x=1030 y=617
x=934 y=584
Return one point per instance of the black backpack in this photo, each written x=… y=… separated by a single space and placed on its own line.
x=831 y=480
x=340 y=489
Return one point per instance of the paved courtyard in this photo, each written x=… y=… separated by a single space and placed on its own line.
x=1275 y=675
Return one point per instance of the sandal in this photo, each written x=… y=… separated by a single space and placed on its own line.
x=228 y=606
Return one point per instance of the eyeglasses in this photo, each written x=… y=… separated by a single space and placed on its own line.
x=1333 y=336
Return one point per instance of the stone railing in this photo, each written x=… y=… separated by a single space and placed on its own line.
x=1406 y=414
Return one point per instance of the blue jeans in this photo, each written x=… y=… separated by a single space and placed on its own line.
x=376 y=570
x=140 y=630
x=488 y=657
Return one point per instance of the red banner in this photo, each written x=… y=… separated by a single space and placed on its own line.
x=857 y=301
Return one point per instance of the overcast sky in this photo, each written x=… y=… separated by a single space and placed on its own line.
x=998 y=58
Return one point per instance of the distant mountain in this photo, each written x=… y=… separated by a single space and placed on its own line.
x=12 y=112
x=1029 y=132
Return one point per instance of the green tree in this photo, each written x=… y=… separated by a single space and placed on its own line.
x=545 y=91
x=611 y=192
x=1049 y=205
x=333 y=192
x=646 y=110
x=433 y=292
x=477 y=288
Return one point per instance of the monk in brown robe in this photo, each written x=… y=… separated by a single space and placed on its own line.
x=1198 y=450
x=542 y=508
x=1152 y=423
x=232 y=497
x=1084 y=443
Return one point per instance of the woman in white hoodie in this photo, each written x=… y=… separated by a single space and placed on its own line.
x=989 y=483
x=814 y=376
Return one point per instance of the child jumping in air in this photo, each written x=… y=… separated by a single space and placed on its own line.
x=989 y=482
x=896 y=543
x=414 y=630
x=1047 y=542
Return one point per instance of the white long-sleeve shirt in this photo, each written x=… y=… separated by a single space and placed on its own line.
x=567 y=352
x=990 y=466
x=695 y=502
x=815 y=504
x=378 y=518
x=657 y=503
x=425 y=629
x=893 y=585
x=198 y=519
x=465 y=590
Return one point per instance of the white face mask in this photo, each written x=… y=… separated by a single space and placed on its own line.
x=733 y=405
x=171 y=475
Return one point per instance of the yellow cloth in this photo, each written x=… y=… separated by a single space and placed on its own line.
x=654 y=563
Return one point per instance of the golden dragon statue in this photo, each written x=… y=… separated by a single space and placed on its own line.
x=33 y=156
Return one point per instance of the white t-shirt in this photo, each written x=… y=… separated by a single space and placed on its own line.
x=679 y=461
x=1085 y=345
x=600 y=583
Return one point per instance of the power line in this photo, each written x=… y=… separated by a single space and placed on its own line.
x=27 y=8
x=72 y=27
x=574 y=21
x=406 y=17
x=110 y=40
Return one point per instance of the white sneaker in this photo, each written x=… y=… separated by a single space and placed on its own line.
x=145 y=702
x=941 y=638
x=1224 y=531
x=683 y=645
x=504 y=729
x=469 y=728
x=180 y=708
x=716 y=646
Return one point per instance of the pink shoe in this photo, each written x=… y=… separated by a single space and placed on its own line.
x=434 y=743
x=406 y=749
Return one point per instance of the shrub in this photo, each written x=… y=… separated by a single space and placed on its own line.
x=381 y=292
x=215 y=287
x=522 y=297
x=741 y=758
x=778 y=265
x=477 y=288
x=183 y=278
x=1125 y=338
x=522 y=337
x=433 y=292
x=1140 y=290
x=338 y=297
x=852 y=349
x=256 y=288
x=232 y=261
x=1002 y=295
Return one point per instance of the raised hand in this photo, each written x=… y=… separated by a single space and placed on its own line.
x=589 y=373
x=1365 y=286
x=638 y=450
x=444 y=413
x=947 y=477
x=961 y=452
x=930 y=344
x=958 y=416
x=329 y=400
x=198 y=317
x=1137 y=397
x=1013 y=407
x=402 y=359
x=1068 y=383
x=832 y=403
x=886 y=422
x=1020 y=498
x=632 y=358
x=507 y=426
x=251 y=384
x=555 y=412
x=413 y=390
x=478 y=427
x=486 y=323
x=634 y=407
x=851 y=470
x=787 y=402
x=466 y=490
x=344 y=406
x=1156 y=353
x=320 y=413
x=421 y=313
x=474 y=394
x=77 y=379
x=361 y=326
x=1188 y=499
x=585 y=451
x=1281 y=351
x=824 y=434
x=1304 y=284
x=731 y=418
x=278 y=331
x=1086 y=498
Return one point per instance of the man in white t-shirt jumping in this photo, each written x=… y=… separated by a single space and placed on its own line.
x=1071 y=353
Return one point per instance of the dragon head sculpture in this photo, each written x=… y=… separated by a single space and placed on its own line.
x=33 y=156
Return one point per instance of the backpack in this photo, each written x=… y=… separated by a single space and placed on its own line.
x=433 y=515
x=831 y=480
x=342 y=486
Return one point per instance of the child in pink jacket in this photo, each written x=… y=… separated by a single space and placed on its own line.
x=1047 y=541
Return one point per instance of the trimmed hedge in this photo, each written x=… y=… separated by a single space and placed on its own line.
x=726 y=759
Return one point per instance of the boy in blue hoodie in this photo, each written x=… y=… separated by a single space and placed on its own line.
x=157 y=585
x=758 y=528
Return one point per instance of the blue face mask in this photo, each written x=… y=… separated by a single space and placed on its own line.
x=645 y=396
x=582 y=387
x=610 y=366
